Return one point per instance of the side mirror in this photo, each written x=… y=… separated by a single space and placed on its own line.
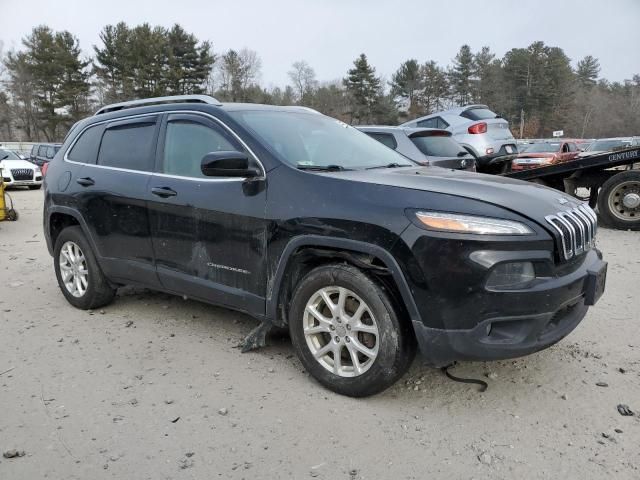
x=227 y=164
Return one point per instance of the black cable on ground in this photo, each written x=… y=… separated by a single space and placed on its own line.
x=483 y=385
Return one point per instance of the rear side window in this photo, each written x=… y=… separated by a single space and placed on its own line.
x=50 y=152
x=438 y=146
x=128 y=146
x=384 y=138
x=478 y=114
x=42 y=150
x=429 y=123
x=186 y=142
x=85 y=150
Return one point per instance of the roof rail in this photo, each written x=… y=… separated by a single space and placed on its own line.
x=159 y=101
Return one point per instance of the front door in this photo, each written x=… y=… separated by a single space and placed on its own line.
x=209 y=234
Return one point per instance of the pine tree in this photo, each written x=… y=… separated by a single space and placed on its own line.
x=461 y=76
x=50 y=80
x=588 y=71
x=406 y=83
x=434 y=89
x=363 y=88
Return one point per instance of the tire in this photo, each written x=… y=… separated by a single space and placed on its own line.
x=394 y=345
x=619 y=201
x=97 y=291
x=35 y=187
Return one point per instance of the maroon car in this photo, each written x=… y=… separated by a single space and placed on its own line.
x=542 y=154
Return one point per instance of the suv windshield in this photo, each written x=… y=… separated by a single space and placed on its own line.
x=439 y=146
x=313 y=140
x=8 y=155
x=542 y=148
x=478 y=114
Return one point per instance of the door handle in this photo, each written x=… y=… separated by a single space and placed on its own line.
x=86 y=181
x=164 y=192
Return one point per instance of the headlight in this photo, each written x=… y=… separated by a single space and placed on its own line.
x=453 y=222
x=511 y=276
x=36 y=169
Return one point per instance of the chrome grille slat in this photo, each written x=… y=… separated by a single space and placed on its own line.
x=22 y=173
x=576 y=230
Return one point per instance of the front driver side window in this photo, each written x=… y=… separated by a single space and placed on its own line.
x=186 y=142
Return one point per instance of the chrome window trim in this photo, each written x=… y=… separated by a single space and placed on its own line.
x=158 y=114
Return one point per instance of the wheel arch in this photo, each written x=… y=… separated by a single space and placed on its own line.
x=60 y=217
x=305 y=253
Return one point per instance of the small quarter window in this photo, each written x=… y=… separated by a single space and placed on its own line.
x=384 y=138
x=85 y=150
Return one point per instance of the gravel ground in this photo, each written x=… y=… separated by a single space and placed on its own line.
x=154 y=387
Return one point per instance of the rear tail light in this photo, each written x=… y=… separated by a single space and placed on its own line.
x=44 y=169
x=478 y=128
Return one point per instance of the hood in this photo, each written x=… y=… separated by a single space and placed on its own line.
x=537 y=155
x=524 y=198
x=9 y=164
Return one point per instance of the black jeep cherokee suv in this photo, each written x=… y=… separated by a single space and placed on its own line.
x=302 y=221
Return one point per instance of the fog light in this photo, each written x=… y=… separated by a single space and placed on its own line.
x=489 y=151
x=511 y=276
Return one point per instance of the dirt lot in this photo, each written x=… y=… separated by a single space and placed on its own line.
x=154 y=387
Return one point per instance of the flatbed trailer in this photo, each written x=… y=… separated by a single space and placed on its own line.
x=612 y=180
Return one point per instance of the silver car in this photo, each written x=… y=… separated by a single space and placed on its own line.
x=482 y=132
x=426 y=146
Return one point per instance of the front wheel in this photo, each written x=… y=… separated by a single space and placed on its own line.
x=619 y=201
x=347 y=333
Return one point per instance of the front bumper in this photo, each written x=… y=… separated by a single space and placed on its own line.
x=510 y=324
x=10 y=182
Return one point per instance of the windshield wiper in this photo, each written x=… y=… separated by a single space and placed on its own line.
x=5 y=157
x=389 y=165
x=322 y=168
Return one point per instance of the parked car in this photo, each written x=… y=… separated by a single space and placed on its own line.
x=542 y=154
x=19 y=173
x=478 y=129
x=304 y=222
x=426 y=146
x=42 y=153
x=610 y=144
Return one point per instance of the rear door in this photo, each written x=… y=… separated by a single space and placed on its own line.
x=209 y=233
x=112 y=195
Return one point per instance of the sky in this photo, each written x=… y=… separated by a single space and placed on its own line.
x=330 y=34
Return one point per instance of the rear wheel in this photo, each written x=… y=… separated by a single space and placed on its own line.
x=79 y=276
x=347 y=333
x=619 y=201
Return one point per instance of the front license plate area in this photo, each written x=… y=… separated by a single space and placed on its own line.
x=595 y=283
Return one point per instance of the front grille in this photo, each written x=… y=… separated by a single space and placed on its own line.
x=576 y=230
x=22 y=174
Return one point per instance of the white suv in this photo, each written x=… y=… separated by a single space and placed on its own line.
x=19 y=173
x=482 y=132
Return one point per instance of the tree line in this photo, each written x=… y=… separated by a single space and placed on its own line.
x=48 y=84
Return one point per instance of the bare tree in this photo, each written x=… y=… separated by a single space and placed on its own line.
x=237 y=72
x=303 y=78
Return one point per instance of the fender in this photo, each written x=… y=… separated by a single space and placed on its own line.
x=72 y=213
x=345 y=244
